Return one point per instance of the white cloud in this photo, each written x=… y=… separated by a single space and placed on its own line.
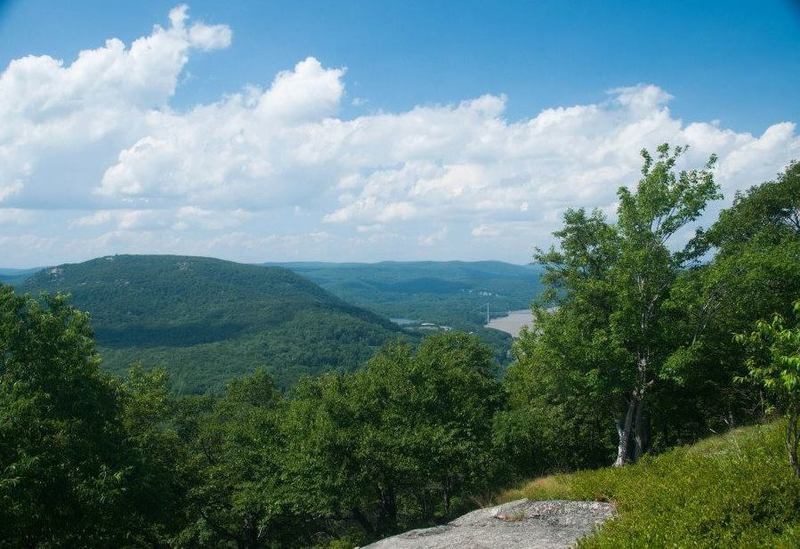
x=16 y=216
x=54 y=114
x=272 y=167
x=100 y=217
x=10 y=189
x=434 y=237
x=485 y=229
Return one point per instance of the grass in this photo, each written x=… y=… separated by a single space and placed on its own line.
x=734 y=490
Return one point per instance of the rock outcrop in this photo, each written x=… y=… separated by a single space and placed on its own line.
x=518 y=524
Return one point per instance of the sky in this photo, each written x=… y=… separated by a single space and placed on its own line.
x=368 y=131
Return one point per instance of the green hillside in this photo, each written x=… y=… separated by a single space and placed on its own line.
x=449 y=293
x=445 y=292
x=735 y=490
x=209 y=320
x=16 y=277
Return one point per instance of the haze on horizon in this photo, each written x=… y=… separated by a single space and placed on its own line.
x=411 y=133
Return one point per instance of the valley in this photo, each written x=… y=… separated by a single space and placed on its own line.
x=208 y=321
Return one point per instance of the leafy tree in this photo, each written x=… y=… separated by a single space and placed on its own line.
x=664 y=202
x=610 y=282
x=63 y=470
x=755 y=272
x=234 y=452
x=775 y=365
x=399 y=444
x=159 y=482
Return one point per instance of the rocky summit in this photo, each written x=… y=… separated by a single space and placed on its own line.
x=521 y=524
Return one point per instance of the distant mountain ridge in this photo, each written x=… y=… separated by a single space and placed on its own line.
x=208 y=320
x=455 y=294
x=205 y=337
x=440 y=291
x=15 y=277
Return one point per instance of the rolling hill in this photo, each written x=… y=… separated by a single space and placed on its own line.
x=449 y=293
x=15 y=277
x=208 y=320
x=444 y=292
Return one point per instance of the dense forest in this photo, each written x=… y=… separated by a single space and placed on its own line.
x=456 y=294
x=208 y=321
x=635 y=351
x=453 y=293
x=16 y=276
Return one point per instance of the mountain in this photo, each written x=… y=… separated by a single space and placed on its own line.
x=443 y=293
x=16 y=277
x=208 y=320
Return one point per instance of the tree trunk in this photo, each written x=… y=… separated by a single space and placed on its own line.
x=641 y=431
x=387 y=517
x=362 y=520
x=793 y=439
x=251 y=540
x=624 y=433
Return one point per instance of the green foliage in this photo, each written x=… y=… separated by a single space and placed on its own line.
x=453 y=293
x=234 y=450
x=68 y=473
x=16 y=277
x=754 y=273
x=775 y=365
x=450 y=293
x=209 y=321
x=766 y=214
x=403 y=442
x=780 y=374
x=607 y=347
x=729 y=491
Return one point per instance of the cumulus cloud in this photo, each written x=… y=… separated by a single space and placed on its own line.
x=55 y=114
x=434 y=237
x=274 y=169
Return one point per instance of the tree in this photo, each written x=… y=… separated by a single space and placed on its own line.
x=775 y=365
x=610 y=282
x=399 y=444
x=234 y=452
x=754 y=273
x=64 y=465
x=159 y=481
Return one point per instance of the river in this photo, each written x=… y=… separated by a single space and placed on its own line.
x=513 y=322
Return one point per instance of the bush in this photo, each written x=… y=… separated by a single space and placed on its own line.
x=729 y=491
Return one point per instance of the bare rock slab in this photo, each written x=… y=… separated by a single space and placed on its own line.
x=517 y=524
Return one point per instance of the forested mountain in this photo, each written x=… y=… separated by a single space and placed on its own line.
x=208 y=320
x=448 y=293
x=15 y=277
x=444 y=292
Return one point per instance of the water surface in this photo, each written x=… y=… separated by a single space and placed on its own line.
x=513 y=322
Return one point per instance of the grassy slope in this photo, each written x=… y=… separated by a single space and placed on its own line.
x=735 y=490
x=209 y=320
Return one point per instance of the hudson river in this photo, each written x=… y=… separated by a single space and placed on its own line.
x=513 y=322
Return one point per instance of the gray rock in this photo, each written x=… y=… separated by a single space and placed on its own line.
x=518 y=524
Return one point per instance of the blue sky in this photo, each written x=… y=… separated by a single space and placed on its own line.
x=390 y=150
x=736 y=61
